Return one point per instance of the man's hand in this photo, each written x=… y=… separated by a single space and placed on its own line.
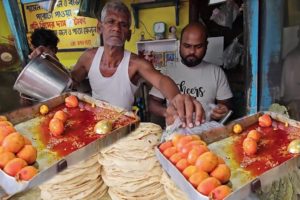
x=184 y=106
x=219 y=112
x=41 y=49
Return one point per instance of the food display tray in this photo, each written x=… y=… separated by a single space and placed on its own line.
x=49 y=162
x=245 y=183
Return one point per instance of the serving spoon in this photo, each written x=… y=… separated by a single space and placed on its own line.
x=294 y=146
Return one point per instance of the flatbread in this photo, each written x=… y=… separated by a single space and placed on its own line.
x=172 y=191
x=81 y=181
x=130 y=165
x=130 y=168
x=94 y=192
x=112 y=173
x=154 y=193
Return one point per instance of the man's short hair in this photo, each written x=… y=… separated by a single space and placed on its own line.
x=199 y=24
x=45 y=37
x=115 y=6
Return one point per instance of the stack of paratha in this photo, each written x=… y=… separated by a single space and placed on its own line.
x=81 y=181
x=130 y=168
x=172 y=191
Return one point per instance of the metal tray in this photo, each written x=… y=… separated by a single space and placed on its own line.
x=49 y=163
x=244 y=184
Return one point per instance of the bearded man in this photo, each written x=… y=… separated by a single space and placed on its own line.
x=202 y=80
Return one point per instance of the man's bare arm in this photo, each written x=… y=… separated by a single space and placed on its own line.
x=182 y=106
x=163 y=83
x=82 y=67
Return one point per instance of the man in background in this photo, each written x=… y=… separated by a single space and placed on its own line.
x=290 y=83
x=202 y=80
x=46 y=38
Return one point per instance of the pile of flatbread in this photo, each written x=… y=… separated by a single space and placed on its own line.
x=80 y=181
x=130 y=168
x=173 y=192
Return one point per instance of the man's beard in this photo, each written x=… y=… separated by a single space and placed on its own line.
x=191 y=61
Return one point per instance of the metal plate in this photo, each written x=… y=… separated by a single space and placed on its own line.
x=245 y=185
x=49 y=162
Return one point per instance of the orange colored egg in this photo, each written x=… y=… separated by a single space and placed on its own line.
x=183 y=141
x=254 y=134
x=220 y=192
x=208 y=185
x=182 y=164
x=195 y=153
x=26 y=173
x=198 y=177
x=56 y=127
x=5 y=131
x=207 y=162
x=189 y=171
x=71 y=101
x=265 y=120
x=163 y=146
x=222 y=172
x=169 y=152
x=3 y=118
x=6 y=123
x=61 y=115
x=249 y=146
x=176 y=157
x=175 y=138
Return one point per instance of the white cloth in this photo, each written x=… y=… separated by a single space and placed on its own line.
x=207 y=82
x=117 y=89
x=290 y=82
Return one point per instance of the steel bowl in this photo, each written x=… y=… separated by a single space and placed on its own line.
x=43 y=78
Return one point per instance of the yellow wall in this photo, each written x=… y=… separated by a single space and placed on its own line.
x=147 y=17
x=4 y=30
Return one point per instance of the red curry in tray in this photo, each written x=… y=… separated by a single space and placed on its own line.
x=79 y=127
x=272 y=147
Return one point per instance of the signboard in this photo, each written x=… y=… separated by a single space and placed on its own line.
x=75 y=32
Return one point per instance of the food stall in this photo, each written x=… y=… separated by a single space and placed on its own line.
x=260 y=154
x=129 y=161
x=62 y=131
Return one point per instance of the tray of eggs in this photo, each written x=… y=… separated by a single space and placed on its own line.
x=238 y=160
x=40 y=141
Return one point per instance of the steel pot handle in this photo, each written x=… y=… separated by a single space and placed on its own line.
x=27 y=97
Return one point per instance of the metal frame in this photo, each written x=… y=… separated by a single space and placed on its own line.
x=252 y=30
x=270 y=51
x=17 y=28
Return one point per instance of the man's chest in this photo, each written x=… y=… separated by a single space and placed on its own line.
x=197 y=84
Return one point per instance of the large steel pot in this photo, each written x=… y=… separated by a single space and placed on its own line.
x=43 y=78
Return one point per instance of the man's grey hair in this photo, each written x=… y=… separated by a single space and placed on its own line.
x=116 y=6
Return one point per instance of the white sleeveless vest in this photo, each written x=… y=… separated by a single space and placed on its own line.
x=117 y=89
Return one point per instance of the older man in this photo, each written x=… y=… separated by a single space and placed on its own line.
x=114 y=72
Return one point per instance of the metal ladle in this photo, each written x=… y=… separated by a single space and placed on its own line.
x=294 y=146
x=103 y=126
x=106 y=125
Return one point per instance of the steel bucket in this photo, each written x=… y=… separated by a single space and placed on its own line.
x=43 y=78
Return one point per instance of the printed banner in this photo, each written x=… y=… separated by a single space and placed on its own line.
x=73 y=31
